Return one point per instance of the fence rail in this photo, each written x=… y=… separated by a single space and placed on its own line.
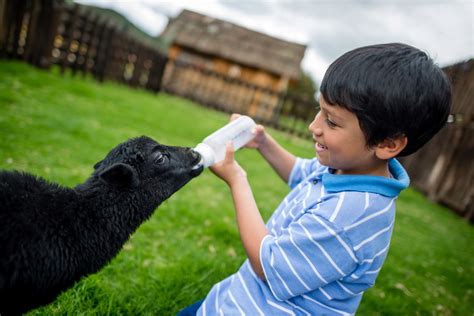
x=46 y=32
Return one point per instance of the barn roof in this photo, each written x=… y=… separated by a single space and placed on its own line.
x=235 y=43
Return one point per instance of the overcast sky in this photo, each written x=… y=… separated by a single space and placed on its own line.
x=442 y=28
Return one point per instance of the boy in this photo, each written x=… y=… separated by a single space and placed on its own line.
x=326 y=242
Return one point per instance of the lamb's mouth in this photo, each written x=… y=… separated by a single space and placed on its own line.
x=198 y=167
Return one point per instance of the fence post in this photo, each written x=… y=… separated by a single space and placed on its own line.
x=3 y=25
x=98 y=47
x=44 y=28
x=29 y=27
x=157 y=72
x=69 y=36
x=103 y=56
x=79 y=36
x=277 y=110
x=13 y=16
x=89 y=42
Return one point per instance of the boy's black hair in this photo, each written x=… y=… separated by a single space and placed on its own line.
x=393 y=89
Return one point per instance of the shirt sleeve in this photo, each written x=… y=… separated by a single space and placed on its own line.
x=309 y=254
x=301 y=169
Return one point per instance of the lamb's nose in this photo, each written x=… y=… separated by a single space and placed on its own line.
x=195 y=155
x=198 y=166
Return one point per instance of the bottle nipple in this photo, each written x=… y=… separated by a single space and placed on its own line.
x=207 y=155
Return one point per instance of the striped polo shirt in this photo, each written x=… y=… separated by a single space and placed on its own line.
x=326 y=245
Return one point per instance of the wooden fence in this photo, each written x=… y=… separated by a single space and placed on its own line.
x=444 y=168
x=292 y=114
x=46 y=32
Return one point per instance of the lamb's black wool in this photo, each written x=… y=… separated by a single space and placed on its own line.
x=51 y=236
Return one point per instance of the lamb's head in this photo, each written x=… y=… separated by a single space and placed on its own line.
x=143 y=165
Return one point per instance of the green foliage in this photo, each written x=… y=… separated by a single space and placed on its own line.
x=58 y=127
x=123 y=24
x=306 y=86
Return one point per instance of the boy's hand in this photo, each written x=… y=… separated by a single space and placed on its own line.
x=228 y=169
x=258 y=131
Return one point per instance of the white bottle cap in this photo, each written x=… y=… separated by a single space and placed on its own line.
x=207 y=154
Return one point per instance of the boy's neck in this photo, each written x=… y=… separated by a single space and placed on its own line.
x=380 y=169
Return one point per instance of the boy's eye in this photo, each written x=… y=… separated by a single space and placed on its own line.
x=330 y=123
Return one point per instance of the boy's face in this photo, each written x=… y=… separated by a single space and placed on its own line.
x=340 y=142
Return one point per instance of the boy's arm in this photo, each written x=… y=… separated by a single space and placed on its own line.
x=281 y=160
x=251 y=226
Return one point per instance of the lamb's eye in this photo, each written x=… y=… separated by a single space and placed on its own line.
x=160 y=159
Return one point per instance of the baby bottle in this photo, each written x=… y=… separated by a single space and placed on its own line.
x=212 y=148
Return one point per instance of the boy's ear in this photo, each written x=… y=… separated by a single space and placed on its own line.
x=120 y=174
x=391 y=147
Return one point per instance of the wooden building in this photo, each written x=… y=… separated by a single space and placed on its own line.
x=230 y=59
x=444 y=168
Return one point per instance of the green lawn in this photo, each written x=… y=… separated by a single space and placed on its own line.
x=58 y=127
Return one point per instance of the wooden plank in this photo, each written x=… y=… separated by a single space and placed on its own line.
x=4 y=24
x=457 y=186
x=91 y=43
x=15 y=13
x=49 y=21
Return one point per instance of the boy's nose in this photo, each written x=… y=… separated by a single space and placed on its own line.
x=313 y=128
x=317 y=131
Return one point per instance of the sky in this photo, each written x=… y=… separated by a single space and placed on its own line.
x=442 y=28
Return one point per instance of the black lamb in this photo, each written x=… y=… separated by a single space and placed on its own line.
x=51 y=235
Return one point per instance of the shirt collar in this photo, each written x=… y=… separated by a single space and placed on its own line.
x=366 y=183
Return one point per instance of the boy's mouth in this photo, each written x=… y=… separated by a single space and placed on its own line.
x=320 y=147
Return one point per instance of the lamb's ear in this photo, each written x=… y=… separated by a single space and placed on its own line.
x=97 y=164
x=120 y=174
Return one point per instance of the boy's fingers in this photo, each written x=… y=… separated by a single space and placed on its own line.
x=258 y=129
x=234 y=116
x=229 y=151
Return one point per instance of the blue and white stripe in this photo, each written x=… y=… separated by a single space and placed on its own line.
x=328 y=241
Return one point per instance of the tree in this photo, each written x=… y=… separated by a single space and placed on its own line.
x=306 y=86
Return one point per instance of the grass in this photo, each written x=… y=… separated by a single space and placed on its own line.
x=58 y=127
